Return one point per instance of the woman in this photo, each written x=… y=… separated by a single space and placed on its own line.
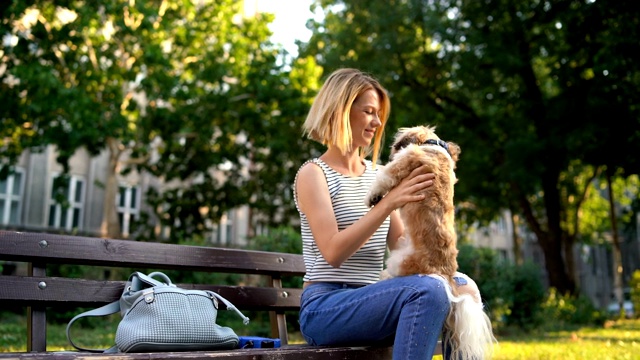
x=344 y=242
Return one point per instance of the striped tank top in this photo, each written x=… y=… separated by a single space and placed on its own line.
x=347 y=197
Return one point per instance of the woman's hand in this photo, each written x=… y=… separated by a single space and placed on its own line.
x=411 y=188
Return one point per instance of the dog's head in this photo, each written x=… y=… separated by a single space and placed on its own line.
x=423 y=136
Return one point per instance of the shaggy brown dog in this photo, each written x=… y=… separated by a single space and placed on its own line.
x=430 y=240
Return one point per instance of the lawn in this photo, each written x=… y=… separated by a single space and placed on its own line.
x=619 y=340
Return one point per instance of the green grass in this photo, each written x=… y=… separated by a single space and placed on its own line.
x=100 y=335
x=619 y=340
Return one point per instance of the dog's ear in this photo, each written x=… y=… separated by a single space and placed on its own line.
x=404 y=142
x=454 y=151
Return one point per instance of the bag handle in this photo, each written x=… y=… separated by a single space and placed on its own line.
x=139 y=281
x=105 y=310
x=229 y=305
x=159 y=274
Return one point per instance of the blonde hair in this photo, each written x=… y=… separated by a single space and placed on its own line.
x=328 y=119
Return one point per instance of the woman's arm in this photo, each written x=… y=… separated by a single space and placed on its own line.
x=315 y=202
x=396 y=230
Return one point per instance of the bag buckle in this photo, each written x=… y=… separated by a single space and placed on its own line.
x=148 y=296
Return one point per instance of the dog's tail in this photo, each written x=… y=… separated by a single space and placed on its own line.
x=470 y=334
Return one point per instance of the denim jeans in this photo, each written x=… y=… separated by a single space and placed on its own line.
x=407 y=312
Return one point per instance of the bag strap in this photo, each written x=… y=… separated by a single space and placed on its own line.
x=229 y=305
x=105 y=310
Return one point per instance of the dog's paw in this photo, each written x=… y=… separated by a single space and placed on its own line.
x=372 y=200
x=373 y=197
x=384 y=275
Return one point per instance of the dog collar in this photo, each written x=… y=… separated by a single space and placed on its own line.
x=437 y=142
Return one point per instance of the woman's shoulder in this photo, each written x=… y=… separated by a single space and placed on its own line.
x=310 y=168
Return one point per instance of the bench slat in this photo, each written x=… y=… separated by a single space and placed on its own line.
x=30 y=291
x=292 y=352
x=50 y=248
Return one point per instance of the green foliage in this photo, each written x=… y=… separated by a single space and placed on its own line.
x=634 y=286
x=60 y=190
x=512 y=294
x=526 y=295
x=525 y=88
x=194 y=94
x=283 y=239
x=515 y=297
x=567 y=310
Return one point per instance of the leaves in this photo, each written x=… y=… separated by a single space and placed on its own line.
x=527 y=89
x=192 y=93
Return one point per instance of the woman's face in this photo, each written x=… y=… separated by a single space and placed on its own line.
x=364 y=118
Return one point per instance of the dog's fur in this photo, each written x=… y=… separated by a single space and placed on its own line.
x=429 y=244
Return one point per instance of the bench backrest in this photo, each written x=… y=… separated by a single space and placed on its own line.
x=39 y=291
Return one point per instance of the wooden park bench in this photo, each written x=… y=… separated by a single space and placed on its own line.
x=40 y=293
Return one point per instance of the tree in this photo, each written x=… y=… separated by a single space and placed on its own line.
x=187 y=91
x=524 y=87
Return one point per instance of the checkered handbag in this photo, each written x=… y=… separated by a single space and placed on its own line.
x=159 y=316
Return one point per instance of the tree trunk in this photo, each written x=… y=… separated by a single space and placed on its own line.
x=517 y=240
x=551 y=245
x=569 y=258
x=554 y=264
x=110 y=227
x=617 y=253
x=551 y=237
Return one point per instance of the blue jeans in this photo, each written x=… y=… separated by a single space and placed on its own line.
x=407 y=312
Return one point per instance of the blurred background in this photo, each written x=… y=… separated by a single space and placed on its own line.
x=180 y=121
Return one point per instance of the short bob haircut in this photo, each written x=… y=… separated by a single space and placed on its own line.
x=328 y=119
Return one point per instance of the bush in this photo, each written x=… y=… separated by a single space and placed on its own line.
x=570 y=310
x=526 y=294
x=512 y=294
x=634 y=284
x=283 y=239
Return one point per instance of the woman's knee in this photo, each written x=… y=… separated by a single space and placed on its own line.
x=434 y=290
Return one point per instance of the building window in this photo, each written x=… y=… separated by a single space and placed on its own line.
x=223 y=231
x=128 y=208
x=65 y=204
x=11 y=198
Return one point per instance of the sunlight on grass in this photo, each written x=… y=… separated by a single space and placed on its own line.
x=616 y=341
x=576 y=351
